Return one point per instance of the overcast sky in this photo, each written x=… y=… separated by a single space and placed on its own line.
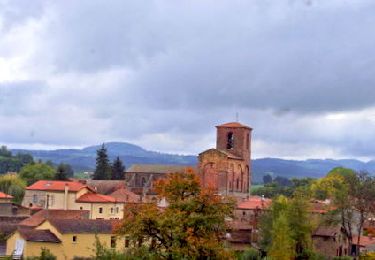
x=162 y=74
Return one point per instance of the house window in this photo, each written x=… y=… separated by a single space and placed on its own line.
x=74 y=239
x=111 y=210
x=243 y=213
x=127 y=242
x=35 y=198
x=113 y=242
x=81 y=208
x=117 y=210
x=230 y=140
x=100 y=210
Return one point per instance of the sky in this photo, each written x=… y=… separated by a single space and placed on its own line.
x=162 y=74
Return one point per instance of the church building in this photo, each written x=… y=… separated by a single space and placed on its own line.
x=227 y=168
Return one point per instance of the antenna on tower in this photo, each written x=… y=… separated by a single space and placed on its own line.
x=237 y=116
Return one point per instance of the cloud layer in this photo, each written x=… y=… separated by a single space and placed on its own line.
x=162 y=73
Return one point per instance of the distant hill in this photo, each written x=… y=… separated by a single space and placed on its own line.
x=84 y=160
x=314 y=168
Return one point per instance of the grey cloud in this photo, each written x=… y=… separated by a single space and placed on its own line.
x=138 y=70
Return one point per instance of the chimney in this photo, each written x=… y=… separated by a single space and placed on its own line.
x=66 y=193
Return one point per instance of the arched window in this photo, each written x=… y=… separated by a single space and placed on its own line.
x=230 y=140
x=143 y=181
x=248 y=141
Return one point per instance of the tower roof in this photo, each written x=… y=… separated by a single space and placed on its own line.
x=234 y=125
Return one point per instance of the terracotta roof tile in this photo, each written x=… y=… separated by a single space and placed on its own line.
x=56 y=185
x=327 y=231
x=255 y=202
x=125 y=195
x=92 y=226
x=40 y=216
x=36 y=235
x=95 y=197
x=234 y=125
x=105 y=186
x=5 y=196
x=365 y=240
x=159 y=168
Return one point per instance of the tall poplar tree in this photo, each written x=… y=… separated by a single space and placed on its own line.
x=118 y=169
x=103 y=168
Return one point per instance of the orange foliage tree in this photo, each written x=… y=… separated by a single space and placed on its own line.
x=192 y=226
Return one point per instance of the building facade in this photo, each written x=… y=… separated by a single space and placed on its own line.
x=226 y=168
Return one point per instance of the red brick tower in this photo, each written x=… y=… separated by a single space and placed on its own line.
x=227 y=168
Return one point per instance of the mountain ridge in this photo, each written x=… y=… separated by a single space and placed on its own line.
x=84 y=160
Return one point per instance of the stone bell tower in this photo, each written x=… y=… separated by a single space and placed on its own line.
x=227 y=168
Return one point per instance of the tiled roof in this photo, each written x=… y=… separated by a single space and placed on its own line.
x=36 y=235
x=95 y=197
x=125 y=195
x=92 y=226
x=234 y=125
x=326 y=231
x=255 y=202
x=5 y=196
x=159 y=168
x=56 y=185
x=105 y=186
x=9 y=224
x=364 y=241
x=40 y=216
x=320 y=207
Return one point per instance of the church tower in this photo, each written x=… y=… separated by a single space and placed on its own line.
x=227 y=168
x=234 y=138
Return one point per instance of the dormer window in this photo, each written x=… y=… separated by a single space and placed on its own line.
x=230 y=140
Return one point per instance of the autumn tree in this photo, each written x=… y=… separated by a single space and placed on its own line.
x=118 y=169
x=103 y=168
x=191 y=227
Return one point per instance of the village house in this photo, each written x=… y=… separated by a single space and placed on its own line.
x=66 y=238
x=330 y=241
x=71 y=195
x=48 y=194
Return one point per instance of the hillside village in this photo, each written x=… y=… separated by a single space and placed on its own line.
x=68 y=218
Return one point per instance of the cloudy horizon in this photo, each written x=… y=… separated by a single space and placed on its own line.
x=162 y=74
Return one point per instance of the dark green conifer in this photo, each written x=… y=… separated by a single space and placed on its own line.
x=118 y=169
x=103 y=168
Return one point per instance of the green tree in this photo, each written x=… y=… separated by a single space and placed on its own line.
x=63 y=172
x=37 y=171
x=118 y=169
x=13 y=185
x=267 y=179
x=191 y=227
x=282 y=246
x=353 y=194
x=4 y=152
x=289 y=215
x=103 y=168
